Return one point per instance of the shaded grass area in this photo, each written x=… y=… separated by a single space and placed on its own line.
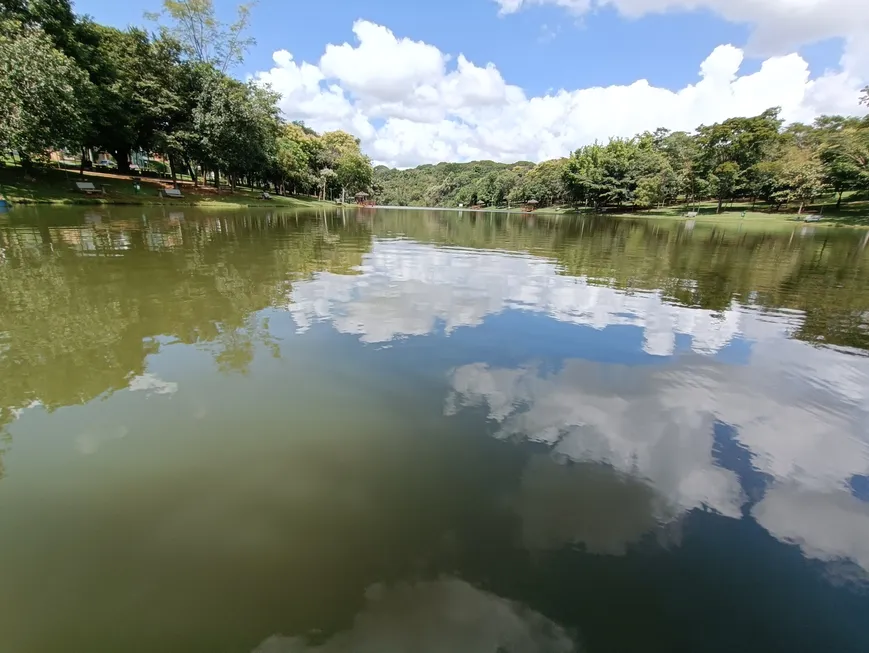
x=54 y=186
x=852 y=213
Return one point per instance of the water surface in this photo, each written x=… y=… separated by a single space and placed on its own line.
x=430 y=431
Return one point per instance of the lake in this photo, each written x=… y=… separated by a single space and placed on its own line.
x=420 y=431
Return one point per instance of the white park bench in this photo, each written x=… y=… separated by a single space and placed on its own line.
x=691 y=214
x=88 y=188
x=814 y=218
x=171 y=192
x=265 y=196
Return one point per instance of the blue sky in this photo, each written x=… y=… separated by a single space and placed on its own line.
x=541 y=49
x=542 y=46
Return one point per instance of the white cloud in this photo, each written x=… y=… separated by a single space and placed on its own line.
x=614 y=415
x=406 y=288
x=800 y=411
x=779 y=25
x=410 y=103
x=152 y=384
x=826 y=526
x=437 y=617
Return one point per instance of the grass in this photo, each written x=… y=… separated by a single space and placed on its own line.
x=57 y=186
x=853 y=213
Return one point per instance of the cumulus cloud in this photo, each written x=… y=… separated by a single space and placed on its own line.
x=588 y=504
x=613 y=415
x=826 y=526
x=410 y=103
x=406 y=289
x=800 y=412
x=152 y=384
x=779 y=25
x=437 y=617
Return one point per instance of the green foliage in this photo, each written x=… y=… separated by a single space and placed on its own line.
x=67 y=82
x=452 y=184
x=40 y=91
x=205 y=38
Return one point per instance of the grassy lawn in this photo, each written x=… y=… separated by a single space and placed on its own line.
x=853 y=213
x=53 y=186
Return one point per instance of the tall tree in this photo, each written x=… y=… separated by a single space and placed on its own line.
x=206 y=38
x=40 y=88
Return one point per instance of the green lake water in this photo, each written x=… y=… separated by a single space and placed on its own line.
x=430 y=432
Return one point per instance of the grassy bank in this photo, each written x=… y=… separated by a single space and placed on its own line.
x=854 y=213
x=53 y=186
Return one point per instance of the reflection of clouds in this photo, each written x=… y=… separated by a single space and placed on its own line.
x=445 y=616
x=585 y=503
x=608 y=414
x=800 y=411
x=88 y=443
x=828 y=526
x=405 y=288
x=152 y=384
x=16 y=412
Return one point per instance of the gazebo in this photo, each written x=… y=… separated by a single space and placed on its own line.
x=530 y=205
x=362 y=199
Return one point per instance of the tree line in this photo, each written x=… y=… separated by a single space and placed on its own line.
x=67 y=82
x=756 y=159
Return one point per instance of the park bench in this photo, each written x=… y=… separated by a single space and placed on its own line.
x=88 y=188
x=814 y=218
x=171 y=192
x=265 y=196
x=690 y=214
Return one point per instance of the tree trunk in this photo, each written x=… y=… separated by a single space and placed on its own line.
x=232 y=183
x=217 y=178
x=122 y=158
x=81 y=164
x=839 y=201
x=720 y=202
x=172 y=168
x=192 y=172
x=802 y=204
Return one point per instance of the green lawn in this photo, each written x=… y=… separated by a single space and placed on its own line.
x=853 y=213
x=53 y=186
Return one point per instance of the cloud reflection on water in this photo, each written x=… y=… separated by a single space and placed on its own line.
x=406 y=288
x=444 y=616
x=800 y=413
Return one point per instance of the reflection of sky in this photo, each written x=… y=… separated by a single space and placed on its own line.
x=406 y=289
x=445 y=616
x=798 y=413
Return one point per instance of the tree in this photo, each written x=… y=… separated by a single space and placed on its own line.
x=802 y=175
x=742 y=142
x=205 y=38
x=135 y=94
x=40 y=89
x=583 y=175
x=237 y=126
x=354 y=173
x=864 y=99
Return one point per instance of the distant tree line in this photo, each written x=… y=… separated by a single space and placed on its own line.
x=755 y=159
x=67 y=82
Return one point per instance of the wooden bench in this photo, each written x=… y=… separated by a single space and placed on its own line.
x=690 y=214
x=88 y=188
x=171 y=193
x=265 y=196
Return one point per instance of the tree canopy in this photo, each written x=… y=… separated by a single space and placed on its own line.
x=755 y=159
x=68 y=83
